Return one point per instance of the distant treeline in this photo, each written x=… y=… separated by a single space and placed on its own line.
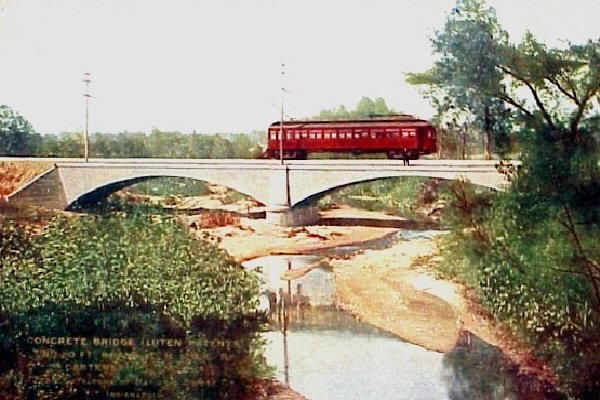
x=19 y=138
x=157 y=144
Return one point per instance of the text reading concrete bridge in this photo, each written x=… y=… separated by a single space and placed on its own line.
x=283 y=188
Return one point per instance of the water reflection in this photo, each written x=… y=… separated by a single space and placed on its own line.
x=315 y=287
x=331 y=364
x=476 y=370
x=327 y=354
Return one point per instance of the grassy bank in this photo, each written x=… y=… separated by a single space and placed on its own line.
x=135 y=277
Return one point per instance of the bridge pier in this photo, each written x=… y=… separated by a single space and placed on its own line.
x=278 y=187
x=292 y=216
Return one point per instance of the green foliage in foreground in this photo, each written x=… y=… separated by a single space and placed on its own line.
x=532 y=255
x=128 y=275
x=102 y=259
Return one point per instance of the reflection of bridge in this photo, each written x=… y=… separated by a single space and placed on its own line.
x=283 y=189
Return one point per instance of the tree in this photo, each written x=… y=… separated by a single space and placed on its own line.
x=243 y=146
x=366 y=108
x=465 y=76
x=531 y=252
x=221 y=148
x=17 y=136
x=50 y=146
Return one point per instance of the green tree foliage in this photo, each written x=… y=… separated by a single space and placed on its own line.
x=65 y=144
x=365 y=108
x=221 y=148
x=158 y=144
x=129 y=275
x=463 y=80
x=396 y=196
x=532 y=252
x=17 y=136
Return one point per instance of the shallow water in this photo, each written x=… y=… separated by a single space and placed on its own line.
x=331 y=365
x=330 y=356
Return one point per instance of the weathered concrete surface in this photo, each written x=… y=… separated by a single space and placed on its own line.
x=293 y=216
x=277 y=186
x=45 y=191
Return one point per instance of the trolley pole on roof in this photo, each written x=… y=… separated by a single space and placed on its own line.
x=281 y=121
x=86 y=94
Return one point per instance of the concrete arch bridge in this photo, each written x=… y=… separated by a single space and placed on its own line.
x=281 y=188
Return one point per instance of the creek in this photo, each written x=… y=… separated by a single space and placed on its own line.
x=326 y=354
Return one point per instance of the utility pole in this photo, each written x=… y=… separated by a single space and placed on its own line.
x=281 y=121
x=86 y=94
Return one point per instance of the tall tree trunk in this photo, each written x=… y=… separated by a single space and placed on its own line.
x=439 y=143
x=464 y=141
x=487 y=134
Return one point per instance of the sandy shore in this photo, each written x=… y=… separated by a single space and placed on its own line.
x=381 y=287
x=394 y=288
x=256 y=238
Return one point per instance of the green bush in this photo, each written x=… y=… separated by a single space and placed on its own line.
x=532 y=254
x=137 y=276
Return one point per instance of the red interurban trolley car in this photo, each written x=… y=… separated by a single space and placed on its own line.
x=398 y=136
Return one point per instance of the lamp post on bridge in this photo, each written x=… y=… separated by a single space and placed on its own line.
x=281 y=120
x=86 y=94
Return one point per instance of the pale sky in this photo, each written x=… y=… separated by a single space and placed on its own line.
x=215 y=65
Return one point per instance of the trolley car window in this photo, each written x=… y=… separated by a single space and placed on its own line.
x=311 y=135
x=289 y=136
x=342 y=135
x=357 y=135
x=273 y=136
x=334 y=135
x=327 y=135
x=297 y=135
x=304 y=135
x=319 y=136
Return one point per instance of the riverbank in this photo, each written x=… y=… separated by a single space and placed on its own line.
x=273 y=390
x=253 y=238
x=394 y=288
x=403 y=296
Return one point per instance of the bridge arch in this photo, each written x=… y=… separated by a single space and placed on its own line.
x=96 y=194
x=308 y=192
x=277 y=186
x=89 y=183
